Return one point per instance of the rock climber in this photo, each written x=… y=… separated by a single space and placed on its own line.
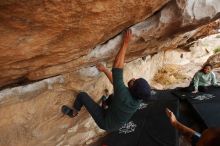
x=125 y=100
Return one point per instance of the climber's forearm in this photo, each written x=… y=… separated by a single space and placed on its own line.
x=108 y=74
x=185 y=131
x=120 y=58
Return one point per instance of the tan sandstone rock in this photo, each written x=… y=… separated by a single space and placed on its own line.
x=43 y=38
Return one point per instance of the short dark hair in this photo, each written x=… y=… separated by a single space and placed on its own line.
x=207 y=64
x=213 y=137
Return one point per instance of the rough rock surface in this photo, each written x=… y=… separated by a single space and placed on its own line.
x=40 y=37
x=214 y=60
x=43 y=38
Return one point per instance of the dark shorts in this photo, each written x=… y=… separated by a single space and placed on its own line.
x=195 y=138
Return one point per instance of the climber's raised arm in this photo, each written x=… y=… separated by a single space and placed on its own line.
x=120 y=58
x=102 y=68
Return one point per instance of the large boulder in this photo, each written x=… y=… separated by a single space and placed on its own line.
x=44 y=38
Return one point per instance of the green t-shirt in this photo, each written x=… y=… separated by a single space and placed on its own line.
x=123 y=105
x=202 y=79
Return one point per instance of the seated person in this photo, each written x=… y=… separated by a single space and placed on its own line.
x=202 y=79
x=210 y=137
